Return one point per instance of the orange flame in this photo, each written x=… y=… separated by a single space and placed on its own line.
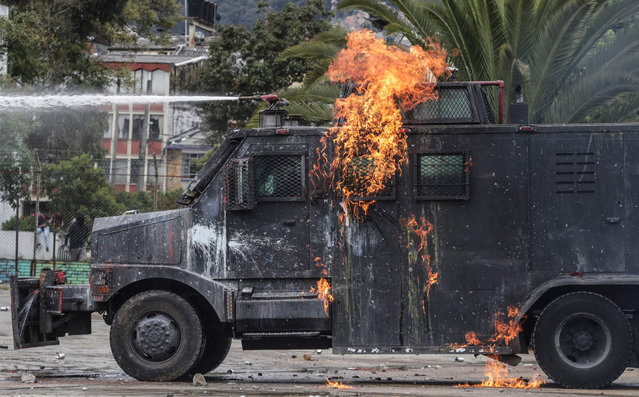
x=370 y=145
x=422 y=228
x=324 y=293
x=497 y=375
x=337 y=385
x=505 y=332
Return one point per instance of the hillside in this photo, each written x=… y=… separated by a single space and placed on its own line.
x=244 y=12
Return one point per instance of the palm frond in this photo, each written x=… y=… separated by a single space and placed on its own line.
x=553 y=53
x=312 y=50
x=584 y=98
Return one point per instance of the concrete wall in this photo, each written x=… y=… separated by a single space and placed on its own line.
x=6 y=212
x=25 y=246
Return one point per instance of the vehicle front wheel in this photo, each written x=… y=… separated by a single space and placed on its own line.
x=582 y=340
x=215 y=351
x=156 y=336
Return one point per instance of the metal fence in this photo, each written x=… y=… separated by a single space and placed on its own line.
x=41 y=203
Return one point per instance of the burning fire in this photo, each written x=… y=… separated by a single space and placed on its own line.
x=370 y=145
x=422 y=228
x=324 y=293
x=337 y=385
x=505 y=331
x=497 y=376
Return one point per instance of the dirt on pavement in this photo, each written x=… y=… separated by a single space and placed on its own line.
x=84 y=366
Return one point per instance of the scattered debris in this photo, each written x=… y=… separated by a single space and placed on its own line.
x=198 y=380
x=308 y=357
x=28 y=378
x=60 y=356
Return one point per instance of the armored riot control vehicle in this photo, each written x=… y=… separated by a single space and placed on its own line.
x=482 y=216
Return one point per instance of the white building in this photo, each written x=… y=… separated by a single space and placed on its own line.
x=137 y=132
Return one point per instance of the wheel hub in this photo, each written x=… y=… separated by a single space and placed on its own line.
x=156 y=336
x=582 y=340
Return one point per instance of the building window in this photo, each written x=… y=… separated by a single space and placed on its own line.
x=120 y=171
x=138 y=127
x=189 y=161
x=442 y=176
x=155 y=128
x=279 y=177
x=109 y=129
x=123 y=127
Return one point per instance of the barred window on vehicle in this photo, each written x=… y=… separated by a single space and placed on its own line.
x=279 y=177
x=442 y=176
x=358 y=176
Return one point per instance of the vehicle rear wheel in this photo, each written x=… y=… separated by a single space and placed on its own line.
x=156 y=335
x=582 y=340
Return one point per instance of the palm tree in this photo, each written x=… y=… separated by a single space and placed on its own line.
x=314 y=98
x=565 y=54
x=577 y=60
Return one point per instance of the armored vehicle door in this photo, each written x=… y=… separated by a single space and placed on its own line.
x=267 y=228
x=577 y=202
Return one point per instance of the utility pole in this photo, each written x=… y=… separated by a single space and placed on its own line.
x=155 y=195
x=37 y=212
x=4 y=13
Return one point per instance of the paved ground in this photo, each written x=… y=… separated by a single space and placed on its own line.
x=88 y=369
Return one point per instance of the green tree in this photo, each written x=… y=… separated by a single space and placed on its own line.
x=313 y=100
x=59 y=135
x=245 y=12
x=143 y=201
x=15 y=159
x=75 y=185
x=245 y=63
x=551 y=48
x=45 y=40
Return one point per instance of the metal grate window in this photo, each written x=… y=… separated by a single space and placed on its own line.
x=105 y=164
x=237 y=195
x=454 y=103
x=137 y=169
x=279 y=177
x=442 y=176
x=575 y=172
x=360 y=170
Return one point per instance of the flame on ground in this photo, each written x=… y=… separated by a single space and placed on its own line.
x=497 y=376
x=337 y=385
x=370 y=146
x=505 y=331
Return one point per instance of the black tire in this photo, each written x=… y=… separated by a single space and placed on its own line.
x=216 y=348
x=582 y=340
x=156 y=336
